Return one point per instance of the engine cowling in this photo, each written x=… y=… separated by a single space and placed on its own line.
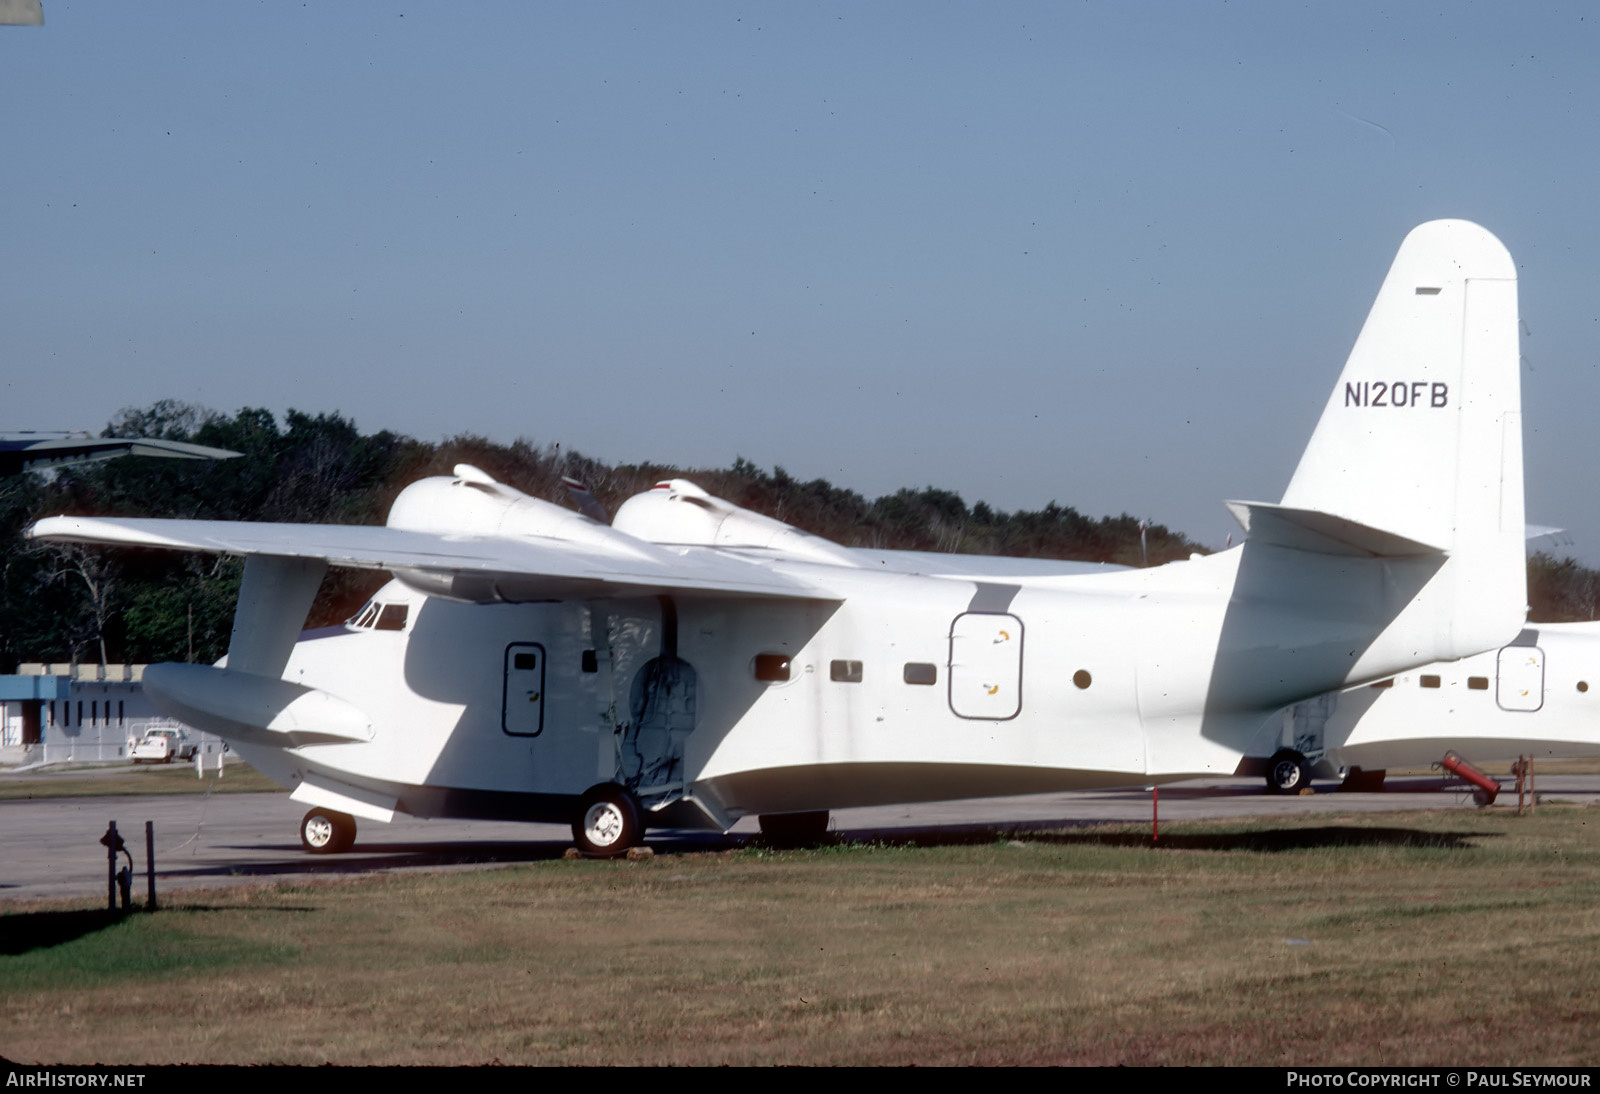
x=679 y=512
x=473 y=504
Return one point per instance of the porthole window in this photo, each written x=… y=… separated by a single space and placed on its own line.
x=1583 y=685
x=845 y=672
x=920 y=672
x=1082 y=679
x=1477 y=683
x=1430 y=681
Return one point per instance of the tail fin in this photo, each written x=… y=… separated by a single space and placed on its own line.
x=1419 y=450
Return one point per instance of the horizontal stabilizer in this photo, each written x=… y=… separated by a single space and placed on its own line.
x=1324 y=533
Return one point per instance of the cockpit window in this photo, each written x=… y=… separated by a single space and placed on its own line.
x=392 y=618
x=382 y=617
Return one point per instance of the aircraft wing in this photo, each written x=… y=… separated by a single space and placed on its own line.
x=21 y=13
x=478 y=568
x=27 y=454
x=975 y=567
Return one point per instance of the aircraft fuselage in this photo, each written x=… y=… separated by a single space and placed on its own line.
x=905 y=687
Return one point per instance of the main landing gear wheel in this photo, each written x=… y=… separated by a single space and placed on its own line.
x=609 y=821
x=1287 y=772
x=324 y=832
x=795 y=829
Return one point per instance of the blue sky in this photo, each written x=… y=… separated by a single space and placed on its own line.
x=1111 y=255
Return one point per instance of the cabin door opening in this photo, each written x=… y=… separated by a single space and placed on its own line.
x=661 y=711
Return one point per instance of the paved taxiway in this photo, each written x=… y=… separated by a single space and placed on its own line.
x=52 y=848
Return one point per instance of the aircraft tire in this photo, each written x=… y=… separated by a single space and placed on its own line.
x=324 y=832
x=795 y=829
x=609 y=821
x=1287 y=772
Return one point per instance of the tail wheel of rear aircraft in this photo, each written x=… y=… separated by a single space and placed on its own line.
x=324 y=832
x=795 y=829
x=1287 y=772
x=609 y=821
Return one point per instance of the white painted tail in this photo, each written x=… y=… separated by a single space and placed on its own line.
x=1419 y=450
x=1422 y=436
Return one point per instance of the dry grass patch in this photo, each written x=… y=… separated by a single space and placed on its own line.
x=1420 y=938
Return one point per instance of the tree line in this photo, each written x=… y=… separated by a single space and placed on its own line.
x=67 y=603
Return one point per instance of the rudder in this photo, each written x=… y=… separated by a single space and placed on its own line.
x=1422 y=436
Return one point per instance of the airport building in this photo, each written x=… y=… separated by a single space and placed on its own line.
x=79 y=714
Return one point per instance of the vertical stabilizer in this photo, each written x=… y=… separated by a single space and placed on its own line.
x=1422 y=437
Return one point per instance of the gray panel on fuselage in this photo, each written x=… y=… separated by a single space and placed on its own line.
x=460 y=666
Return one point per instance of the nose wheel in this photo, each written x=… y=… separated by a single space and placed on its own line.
x=324 y=832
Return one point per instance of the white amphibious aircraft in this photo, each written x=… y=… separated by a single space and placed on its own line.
x=1537 y=697
x=694 y=662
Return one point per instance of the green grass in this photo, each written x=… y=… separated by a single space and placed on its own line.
x=1363 y=939
x=64 y=782
x=111 y=953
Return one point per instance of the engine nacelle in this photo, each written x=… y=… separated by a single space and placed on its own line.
x=474 y=504
x=679 y=512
